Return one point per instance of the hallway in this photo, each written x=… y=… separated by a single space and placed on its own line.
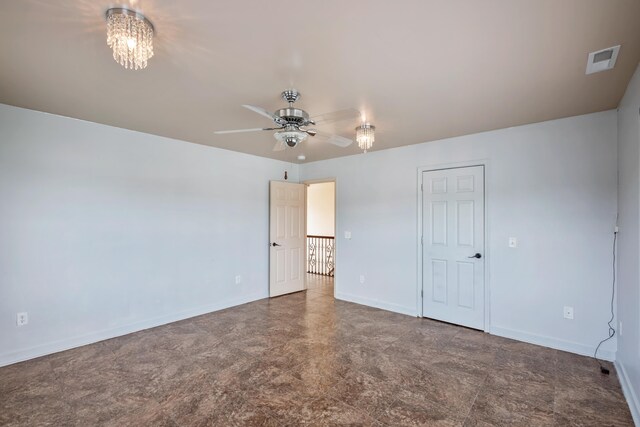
x=319 y=285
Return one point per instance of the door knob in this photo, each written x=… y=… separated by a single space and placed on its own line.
x=477 y=255
x=274 y=244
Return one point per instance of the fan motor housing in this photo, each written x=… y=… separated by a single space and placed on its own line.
x=293 y=116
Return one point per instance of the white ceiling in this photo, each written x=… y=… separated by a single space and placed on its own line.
x=420 y=70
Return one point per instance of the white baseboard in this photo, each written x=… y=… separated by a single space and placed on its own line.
x=629 y=392
x=555 y=343
x=558 y=344
x=20 y=355
x=410 y=311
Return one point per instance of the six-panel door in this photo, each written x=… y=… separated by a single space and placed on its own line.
x=286 y=230
x=453 y=245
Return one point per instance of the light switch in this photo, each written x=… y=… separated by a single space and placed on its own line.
x=513 y=242
x=347 y=235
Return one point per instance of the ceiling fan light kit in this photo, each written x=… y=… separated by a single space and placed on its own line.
x=290 y=136
x=130 y=37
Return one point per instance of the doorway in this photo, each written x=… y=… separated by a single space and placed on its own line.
x=453 y=243
x=320 y=236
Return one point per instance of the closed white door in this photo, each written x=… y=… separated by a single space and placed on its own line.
x=453 y=245
x=287 y=240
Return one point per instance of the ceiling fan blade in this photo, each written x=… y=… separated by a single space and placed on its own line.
x=338 y=140
x=264 y=113
x=279 y=146
x=336 y=116
x=310 y=132
x=222 y=132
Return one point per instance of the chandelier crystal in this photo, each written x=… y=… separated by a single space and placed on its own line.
x=365 y=136
x=130 y=36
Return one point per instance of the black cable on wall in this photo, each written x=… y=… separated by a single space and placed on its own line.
x=612 y=330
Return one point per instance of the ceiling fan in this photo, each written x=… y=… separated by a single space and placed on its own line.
x=291 y=123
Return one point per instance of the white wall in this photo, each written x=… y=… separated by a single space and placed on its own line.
x=629 y=244
x=104 y=231
x=552 y=185
x=321 y=209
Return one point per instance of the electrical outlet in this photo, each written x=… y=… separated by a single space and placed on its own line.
x=238 y=279
x=568 y=312
x=362 y=278
x=513 y=242
x=22 y=318
x=347 y=235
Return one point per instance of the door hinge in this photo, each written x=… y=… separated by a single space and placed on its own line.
x=422 y=240
x=421 y=293
x=421 y=187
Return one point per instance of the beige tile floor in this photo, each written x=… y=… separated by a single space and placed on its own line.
x=307 y=359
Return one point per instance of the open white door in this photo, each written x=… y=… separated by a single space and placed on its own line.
x=453 y=245
x=287 y=240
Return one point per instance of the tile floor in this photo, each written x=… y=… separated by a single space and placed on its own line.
x=309 y=359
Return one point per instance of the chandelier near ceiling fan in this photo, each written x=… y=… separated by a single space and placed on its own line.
x=130 y=36
x=292 y=124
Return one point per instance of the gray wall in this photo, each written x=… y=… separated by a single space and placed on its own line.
x=104 y=231
x=628 y=243
x=552 y=185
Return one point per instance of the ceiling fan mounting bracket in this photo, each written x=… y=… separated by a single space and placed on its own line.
x=291 y=96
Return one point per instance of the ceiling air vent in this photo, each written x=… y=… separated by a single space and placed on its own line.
x=602 y=60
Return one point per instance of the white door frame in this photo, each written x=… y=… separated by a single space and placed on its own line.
x=487 y=257
x=335 y=225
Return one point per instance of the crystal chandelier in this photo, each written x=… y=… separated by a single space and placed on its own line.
x=365 y=136
x=130 y=36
